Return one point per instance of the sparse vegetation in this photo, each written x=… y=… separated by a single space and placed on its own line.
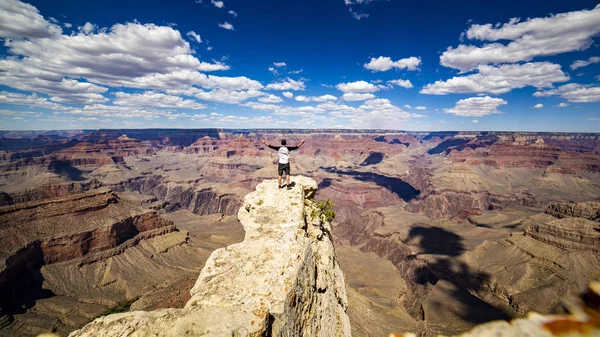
x=325 y=209
x=260 y=202
x=121 y=307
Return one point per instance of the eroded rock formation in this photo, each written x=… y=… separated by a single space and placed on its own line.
x=282 y=280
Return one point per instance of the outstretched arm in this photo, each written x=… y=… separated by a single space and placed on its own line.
x=291 y=148
x=271 y=146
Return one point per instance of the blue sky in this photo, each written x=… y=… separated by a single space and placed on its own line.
x=468 y=65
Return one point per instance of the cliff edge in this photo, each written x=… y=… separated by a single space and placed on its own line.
x=282 y=280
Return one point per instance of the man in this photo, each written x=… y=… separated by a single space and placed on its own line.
x=284 y=160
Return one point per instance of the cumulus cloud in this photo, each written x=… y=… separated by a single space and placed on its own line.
x=385 y=63
x=420 y=108
x=296 y=72
x=573 y=92
x=562 y=105
x=195 y=36
x=205 y=66
x=358 y=86
x=218 y=4
x=585 y=63
x=219 y=95
x=286 y=84
x=353 y=96
x=477 y=106
x=270 y=99
x=322 y=98
x=152 y=99
x=534 y=37
x=288 y=94
x=87 y=28
x=32 y=100
x=499 y=80
x=538 y=106
x=232 y=12
x=279 y=64
x=475 y=121
x=19 y=20
x=226 y=25
x=401 y=83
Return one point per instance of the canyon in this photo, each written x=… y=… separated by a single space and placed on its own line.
x=435 y=232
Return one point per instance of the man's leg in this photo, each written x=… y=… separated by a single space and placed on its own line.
x=279 y=181
x=287 y=179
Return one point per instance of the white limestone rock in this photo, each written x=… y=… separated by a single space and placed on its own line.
x=282 y=280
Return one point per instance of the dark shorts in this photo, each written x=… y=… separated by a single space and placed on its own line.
x=283 y=168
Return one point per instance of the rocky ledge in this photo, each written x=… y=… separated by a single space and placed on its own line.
x=282 y=280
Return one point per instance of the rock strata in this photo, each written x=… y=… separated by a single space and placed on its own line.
x=282 y=280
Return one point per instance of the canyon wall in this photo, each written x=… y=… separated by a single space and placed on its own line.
x=282 y=280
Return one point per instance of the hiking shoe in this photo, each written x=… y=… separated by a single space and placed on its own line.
x=289 y=187
x=281 y=186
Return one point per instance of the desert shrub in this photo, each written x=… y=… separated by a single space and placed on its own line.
x=324 y=208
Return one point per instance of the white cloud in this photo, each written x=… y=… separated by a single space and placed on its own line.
x=87 y=28
x=185 y=79
x=209 y=48
x=123 y=112
x=562 y=105
x=296 y=72
x=538 y=106
x=270 y=99
x=194 y=36
x=585 y=63
x=218 y=4
x=475 y=121
x=18 y=20
x=232 y=12
x=205 y=66
x=287 y=84
x=499 y=80
x=420 y=108
x=573 y=92
x=401 y=83
x=407 y=106
x=385 y=63
x=279 y=64
x=219 y=95
x=534 y=37
x=288 y=94
x=358 y=86
x=273 y=71
x=150 y=99
x=110 y=57
x=358 y=15
x=322 y=98
x=32 y=100
x=226 y=25
x=353 y=96
x=67 y=25
x=476 y=106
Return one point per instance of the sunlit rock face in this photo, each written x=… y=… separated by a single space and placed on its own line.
x=282 y=280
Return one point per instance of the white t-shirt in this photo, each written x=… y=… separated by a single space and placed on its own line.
x=284 y=155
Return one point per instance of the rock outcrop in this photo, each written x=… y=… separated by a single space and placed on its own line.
x=282 y=280
x=584 y=320
x=587 y=210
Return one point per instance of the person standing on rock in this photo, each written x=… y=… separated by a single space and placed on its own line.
x=284 y=160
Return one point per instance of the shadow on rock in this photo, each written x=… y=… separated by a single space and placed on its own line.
x=466 y=283
x=397 y=186
x=65 y=169
x=436 y=240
